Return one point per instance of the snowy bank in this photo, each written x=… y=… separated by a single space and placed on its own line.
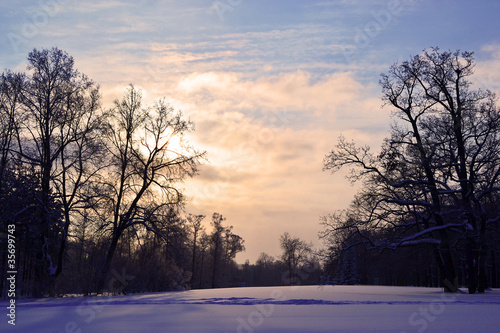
x=269 y=309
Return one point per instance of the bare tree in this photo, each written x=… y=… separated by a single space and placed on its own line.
x=148 y=156
x=11 y=87
x=195 y=221
x=216 y=240
x=225 y=245
x=51 y=111
x=203 y=248
x=434 y=175
x=296 y=253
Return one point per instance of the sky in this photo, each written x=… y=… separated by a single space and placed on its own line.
x=270 y=85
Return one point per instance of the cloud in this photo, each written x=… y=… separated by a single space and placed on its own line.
x=487 y=70
x=266 y=139
x=97 y=6
x=293 y=90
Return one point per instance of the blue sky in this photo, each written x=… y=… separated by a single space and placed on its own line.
x=270 y=84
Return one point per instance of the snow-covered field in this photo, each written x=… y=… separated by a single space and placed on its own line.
x=270 y=309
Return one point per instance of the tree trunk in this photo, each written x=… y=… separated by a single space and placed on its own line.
x=40 y=276
x=471 y=269
x=482 y=278
x=494 y=283
x=107 y=263
x=214 y=273
x=449 y=278
x=201 y=267
x=60 y=256
x=194 y=260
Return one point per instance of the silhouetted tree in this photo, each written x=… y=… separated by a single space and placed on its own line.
x=435 y=177
x=195 y=222
x=83 y=183
x=268 y=271
x=224 y=247
x=296 y=253
x=51 y=114
x=146 y=165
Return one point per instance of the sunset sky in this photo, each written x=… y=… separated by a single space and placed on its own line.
x=270 y=85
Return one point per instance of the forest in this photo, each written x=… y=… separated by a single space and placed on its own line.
x=92 y=196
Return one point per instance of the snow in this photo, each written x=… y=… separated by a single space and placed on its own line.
x=267 y=309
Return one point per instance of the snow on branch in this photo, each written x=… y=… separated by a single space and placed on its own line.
x=413 y=239
x=416 y=242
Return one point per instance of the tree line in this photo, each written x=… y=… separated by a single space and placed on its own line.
x=93 y=191
x=428 y=210
x=94 y=195
x=298 y=264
